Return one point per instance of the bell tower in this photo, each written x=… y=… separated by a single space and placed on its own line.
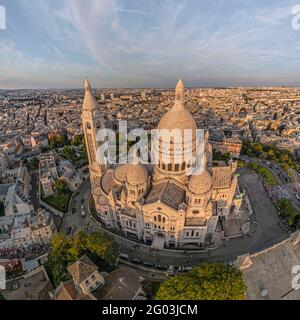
x=92 y=121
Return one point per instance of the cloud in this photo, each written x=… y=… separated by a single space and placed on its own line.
x=140 y=43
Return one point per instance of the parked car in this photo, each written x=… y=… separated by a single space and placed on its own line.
x=148 y=264
x=124 y=256
x=161 y=267
x=172 y=270
x=137 y=261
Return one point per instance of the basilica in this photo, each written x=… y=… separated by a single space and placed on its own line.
x=160 y=204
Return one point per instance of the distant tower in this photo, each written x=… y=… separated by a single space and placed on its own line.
x=92 y=121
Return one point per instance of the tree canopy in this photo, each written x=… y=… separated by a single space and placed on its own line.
x=284 y=158
x=206 y=282
x=59 y=185
x=67 y=249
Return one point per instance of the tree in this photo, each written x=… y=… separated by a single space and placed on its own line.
x=257 y=149
x=34 y=163
x=59 y=185
x=26 y=164
x=246 y=147
x=77 y=140
x=67 y=249
x=271 y=155
x=68 y=153
x=206 y=282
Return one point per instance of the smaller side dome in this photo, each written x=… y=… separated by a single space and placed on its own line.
x=120 y=174
x=136 y=174
x=200 y=184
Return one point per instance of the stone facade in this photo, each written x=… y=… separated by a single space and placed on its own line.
x=163 y=204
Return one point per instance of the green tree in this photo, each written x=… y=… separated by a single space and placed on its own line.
x=289 y=213
x=67 y=249
x=271 y=155
x=206 y=282
x=257 y=149
x=246 y=147
x=68 y=153
x=59 y=185
x=34 y=163
x=26 y=164
x=77 y=140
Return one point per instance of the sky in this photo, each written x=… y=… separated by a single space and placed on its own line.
x=149 y=43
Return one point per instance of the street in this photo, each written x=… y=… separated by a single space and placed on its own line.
x=266 y=230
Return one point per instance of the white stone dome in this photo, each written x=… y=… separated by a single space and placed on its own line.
x=200 y=184
x=178 y=117
x=136 y=174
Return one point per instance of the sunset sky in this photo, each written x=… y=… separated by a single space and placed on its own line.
x=150 y=43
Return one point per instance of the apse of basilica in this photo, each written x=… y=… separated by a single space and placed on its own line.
x=160 y=204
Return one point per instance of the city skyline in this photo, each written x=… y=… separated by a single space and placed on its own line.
x=55 y=44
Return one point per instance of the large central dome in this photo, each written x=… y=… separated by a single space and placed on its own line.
x=178 y=117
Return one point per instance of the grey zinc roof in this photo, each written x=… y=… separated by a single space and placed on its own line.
x=168 y=193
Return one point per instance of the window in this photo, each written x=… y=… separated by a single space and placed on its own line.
x=196 y=212
x=177 y=167
x=159 y=218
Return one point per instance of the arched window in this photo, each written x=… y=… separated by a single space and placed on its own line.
x=159 y=218
x=88 y=125
x=155 y=219
x=183 y=166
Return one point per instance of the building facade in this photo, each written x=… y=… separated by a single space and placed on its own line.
x=48 y=173
x=233 y=146
x=163 y=204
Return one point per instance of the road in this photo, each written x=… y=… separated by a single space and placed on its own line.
x=33 y=194
x=266 y=230
x=74 y=219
